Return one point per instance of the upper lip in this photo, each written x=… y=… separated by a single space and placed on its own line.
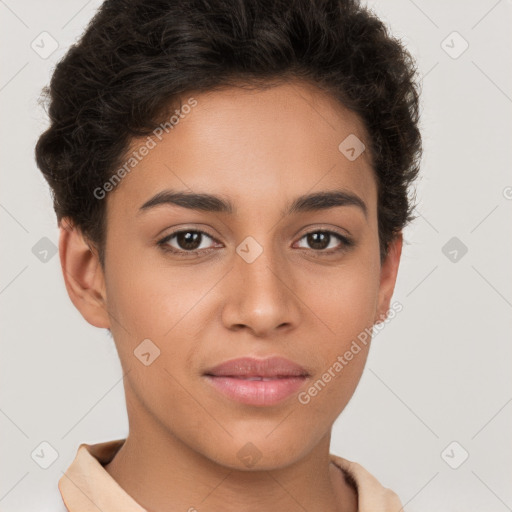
x=252 y=367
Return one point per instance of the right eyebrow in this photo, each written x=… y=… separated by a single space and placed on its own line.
x=191 y=200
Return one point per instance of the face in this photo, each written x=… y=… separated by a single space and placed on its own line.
x=245 y=274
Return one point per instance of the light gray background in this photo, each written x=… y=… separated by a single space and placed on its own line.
x=439 y=372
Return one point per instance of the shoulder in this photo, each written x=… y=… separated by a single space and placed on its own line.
x=372 y=495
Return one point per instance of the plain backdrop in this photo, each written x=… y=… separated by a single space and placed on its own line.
x=432 y=415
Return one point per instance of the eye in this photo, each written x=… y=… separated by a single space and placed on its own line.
x=327 y=241
x=185 y=241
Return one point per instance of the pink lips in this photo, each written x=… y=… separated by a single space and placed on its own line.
x=260 y=382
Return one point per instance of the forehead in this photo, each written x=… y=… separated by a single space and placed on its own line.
x=255 y=146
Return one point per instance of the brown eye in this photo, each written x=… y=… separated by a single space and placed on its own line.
x=318 y=240
x=323 y=240
x=186 y=240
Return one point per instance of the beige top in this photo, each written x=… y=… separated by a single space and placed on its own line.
x=87 y=487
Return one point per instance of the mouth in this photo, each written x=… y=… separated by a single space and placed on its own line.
x=257 y=382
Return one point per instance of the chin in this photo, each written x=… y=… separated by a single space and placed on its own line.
x=258 y=452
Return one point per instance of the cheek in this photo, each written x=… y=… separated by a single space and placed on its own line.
x=151 y=300
x=162 y=305
x=169 y=307
x=344 y=301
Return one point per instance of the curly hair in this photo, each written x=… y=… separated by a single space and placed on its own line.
x=137 y=57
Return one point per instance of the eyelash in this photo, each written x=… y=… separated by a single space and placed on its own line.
x=346 y=243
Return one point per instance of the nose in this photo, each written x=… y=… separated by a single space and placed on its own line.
x=261 y=296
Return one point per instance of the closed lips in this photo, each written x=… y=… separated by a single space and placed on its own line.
x=257 y=382
x=258 y=369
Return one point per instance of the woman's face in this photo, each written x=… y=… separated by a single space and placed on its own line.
x=262 y=280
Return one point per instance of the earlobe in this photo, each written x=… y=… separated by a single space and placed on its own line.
x=388 y=275
x=83 y=275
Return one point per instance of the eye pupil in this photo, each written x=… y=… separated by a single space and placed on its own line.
x=318 y=239
x=188 y=240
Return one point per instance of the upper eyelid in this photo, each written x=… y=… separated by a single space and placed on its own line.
x=186 y=230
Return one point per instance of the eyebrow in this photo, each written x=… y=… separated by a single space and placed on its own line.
x=212 y=203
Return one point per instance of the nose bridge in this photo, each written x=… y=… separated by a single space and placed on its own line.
x=262 y=299
x=260 y=265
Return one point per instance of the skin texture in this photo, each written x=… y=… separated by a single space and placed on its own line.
x=260 y=149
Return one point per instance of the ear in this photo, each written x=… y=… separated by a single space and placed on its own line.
x=388 y=273
x=83 y=275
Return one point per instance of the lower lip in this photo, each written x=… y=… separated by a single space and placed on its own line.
x=257 y=392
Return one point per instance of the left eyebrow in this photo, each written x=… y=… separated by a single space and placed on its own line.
x=326 y=200
x=212 y=203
